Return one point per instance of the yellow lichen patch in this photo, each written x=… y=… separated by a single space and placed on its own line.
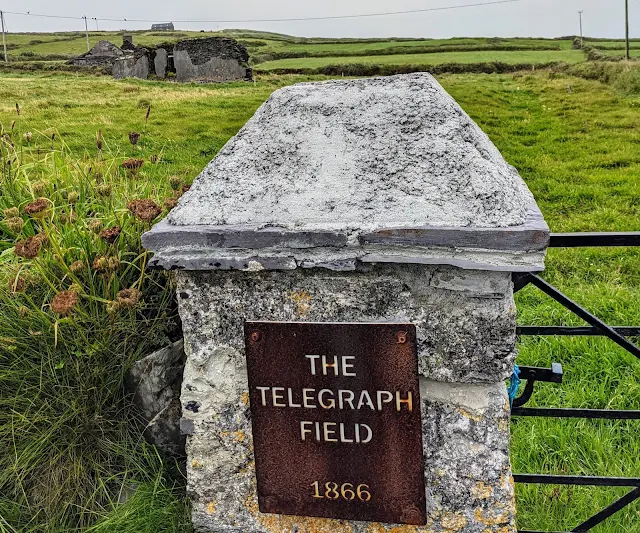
x=196 y=464
x=503 y=425
x=471 y=416
x=240 y=435
x=244 y=398
x=211 y=507
x=489 y=518
x=302 y=299
x=453 y=521
x=281 y=523
x=481 y=490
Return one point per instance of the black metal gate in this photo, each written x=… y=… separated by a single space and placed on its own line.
x=531 y=375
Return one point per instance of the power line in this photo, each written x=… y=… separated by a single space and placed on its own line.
x=296 y=19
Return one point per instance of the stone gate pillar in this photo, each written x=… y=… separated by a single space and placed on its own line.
x=369 y=202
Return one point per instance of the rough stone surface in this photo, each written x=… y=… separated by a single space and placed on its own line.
x=465 y=320
x=466 y=428
x=211 y=59
x=156 y=381
x=160 y=62
x=359 y=154
x=132 y=66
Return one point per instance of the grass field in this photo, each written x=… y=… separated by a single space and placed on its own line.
x=578 y=152
x=519 y=57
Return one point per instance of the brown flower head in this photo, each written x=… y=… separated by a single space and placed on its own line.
x=29 y=248
x=68 y=219
x=15 y=224
x=38 y=208
x=175 y=182
x=104 y=189
x=169 y=203
x=110 y=235
x=13 y=124
x=27 y=136
x=99 y=139
x=95 y=225
x=39 y=187
x=77 y=266
x=11 y=212
x=128 y=298
x=100 y=263
x=146 y=210
x=64 y=302
x=133 y=164
x=153 y=158
x=17 y=284
x=114 y=263
x=134 y=136
x=17 y=109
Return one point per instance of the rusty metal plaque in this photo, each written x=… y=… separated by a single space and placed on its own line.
x=336 y=420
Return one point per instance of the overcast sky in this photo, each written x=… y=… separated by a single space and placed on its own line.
x=530 y=18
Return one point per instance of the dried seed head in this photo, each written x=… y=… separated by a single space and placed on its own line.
x=27 y=136
x=148 y=113
x=15 y=224
x=104 y=189
x=29 y=248
x=100 y=264
x=13 y=124
x=153 y=158
x=169 y=203
x=68 y=219
x=128 y=298
x=64 y=302
x=99 y=139
x=134 y=136
x=38 y=208
x=12 y=212
x=175 y=182
x=17 y=109
x=17 y=284
x=110 y=235
x=146 y=210
x=112 y=307
x=114 y=263
x=77 y=266
x=73 y=197
x=23 y=311
x=95 y=225
x=39 y=187
x=133 y=164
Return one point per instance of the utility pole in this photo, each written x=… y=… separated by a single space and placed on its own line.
x=4 y=38
x=581 y=38
x=96 y=19
x=628 y=51
x=86 y=31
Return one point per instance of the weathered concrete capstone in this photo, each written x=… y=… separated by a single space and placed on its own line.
x=211 y=59
x=374 y=200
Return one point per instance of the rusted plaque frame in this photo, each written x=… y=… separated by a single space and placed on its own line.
x=390 y=465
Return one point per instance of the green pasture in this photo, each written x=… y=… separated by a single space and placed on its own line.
x=70 y=445
x=519 y=57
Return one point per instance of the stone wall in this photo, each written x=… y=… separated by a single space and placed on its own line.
x=103 y=54
x=212 y=59
x=466 y=337
x=132 y=66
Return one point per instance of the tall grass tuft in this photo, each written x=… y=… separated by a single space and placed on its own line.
x=78 y=308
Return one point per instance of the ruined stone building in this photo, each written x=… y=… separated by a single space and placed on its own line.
x=213 y=59
x=104 y=54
